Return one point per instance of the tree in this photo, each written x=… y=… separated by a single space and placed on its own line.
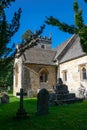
x=29 y=40
x=6 y=74
x=7 y=30
x=27 y=35
x=79 y=27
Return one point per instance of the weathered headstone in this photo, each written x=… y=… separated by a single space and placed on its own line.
x=4 y=99
x=21 y=113
x=43 y=102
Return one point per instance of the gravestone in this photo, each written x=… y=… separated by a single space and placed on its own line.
x=62 y=94
x=4 y=99
x=21 y=113
x=61 y=88
x=43 y=102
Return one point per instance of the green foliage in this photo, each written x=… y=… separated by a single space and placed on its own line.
x=7 y=30
x=78 y=15
x=64 y=117
x=30 y=40
x=62 y=26
x=4 y=4
x=83 y=38
x=76 y=7
x=79 y=27
x=6 y=73
x=27 y=35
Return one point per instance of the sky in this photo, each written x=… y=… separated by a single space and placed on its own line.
x=34 y=13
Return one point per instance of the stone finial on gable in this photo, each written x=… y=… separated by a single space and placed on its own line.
x=18 y=46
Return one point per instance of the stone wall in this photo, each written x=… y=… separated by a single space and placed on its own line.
x=35 y=83
x=73 y=69
x=29 y=78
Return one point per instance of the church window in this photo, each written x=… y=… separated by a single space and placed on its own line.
x=43 y=75
x=83 y=73
x=43 y=46
x=64 y=75
x=82 y=68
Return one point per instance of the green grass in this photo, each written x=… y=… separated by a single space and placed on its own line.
x=66 y=117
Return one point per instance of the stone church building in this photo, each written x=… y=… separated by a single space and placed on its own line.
x=40 y=67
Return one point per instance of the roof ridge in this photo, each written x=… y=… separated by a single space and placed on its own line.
x=41 y=49
x=67 y=46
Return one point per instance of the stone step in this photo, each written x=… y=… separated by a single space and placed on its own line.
x=68 y=101
x=65 y=96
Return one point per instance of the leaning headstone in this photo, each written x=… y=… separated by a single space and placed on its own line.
x=21 y=113
x=4 y=98
x=43 y=102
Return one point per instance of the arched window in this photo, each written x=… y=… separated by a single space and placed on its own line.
x=65 y=75
x=43 y=75
x=83 y=73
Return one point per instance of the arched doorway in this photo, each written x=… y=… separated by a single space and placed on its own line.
x=43 y=78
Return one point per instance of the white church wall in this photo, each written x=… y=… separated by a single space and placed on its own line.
x=73 y=73
x=16 y=87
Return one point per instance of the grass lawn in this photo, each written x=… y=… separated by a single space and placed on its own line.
x=65 y=117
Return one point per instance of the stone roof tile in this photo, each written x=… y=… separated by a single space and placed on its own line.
x=39 y=56
x=75 y=51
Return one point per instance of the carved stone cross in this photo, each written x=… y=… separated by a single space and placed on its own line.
x=21 y=94
x=21 y=113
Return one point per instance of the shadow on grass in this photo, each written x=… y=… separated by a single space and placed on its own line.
x=8 y=113
x=67 y=117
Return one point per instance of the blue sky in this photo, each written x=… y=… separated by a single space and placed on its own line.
x=34 y=14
